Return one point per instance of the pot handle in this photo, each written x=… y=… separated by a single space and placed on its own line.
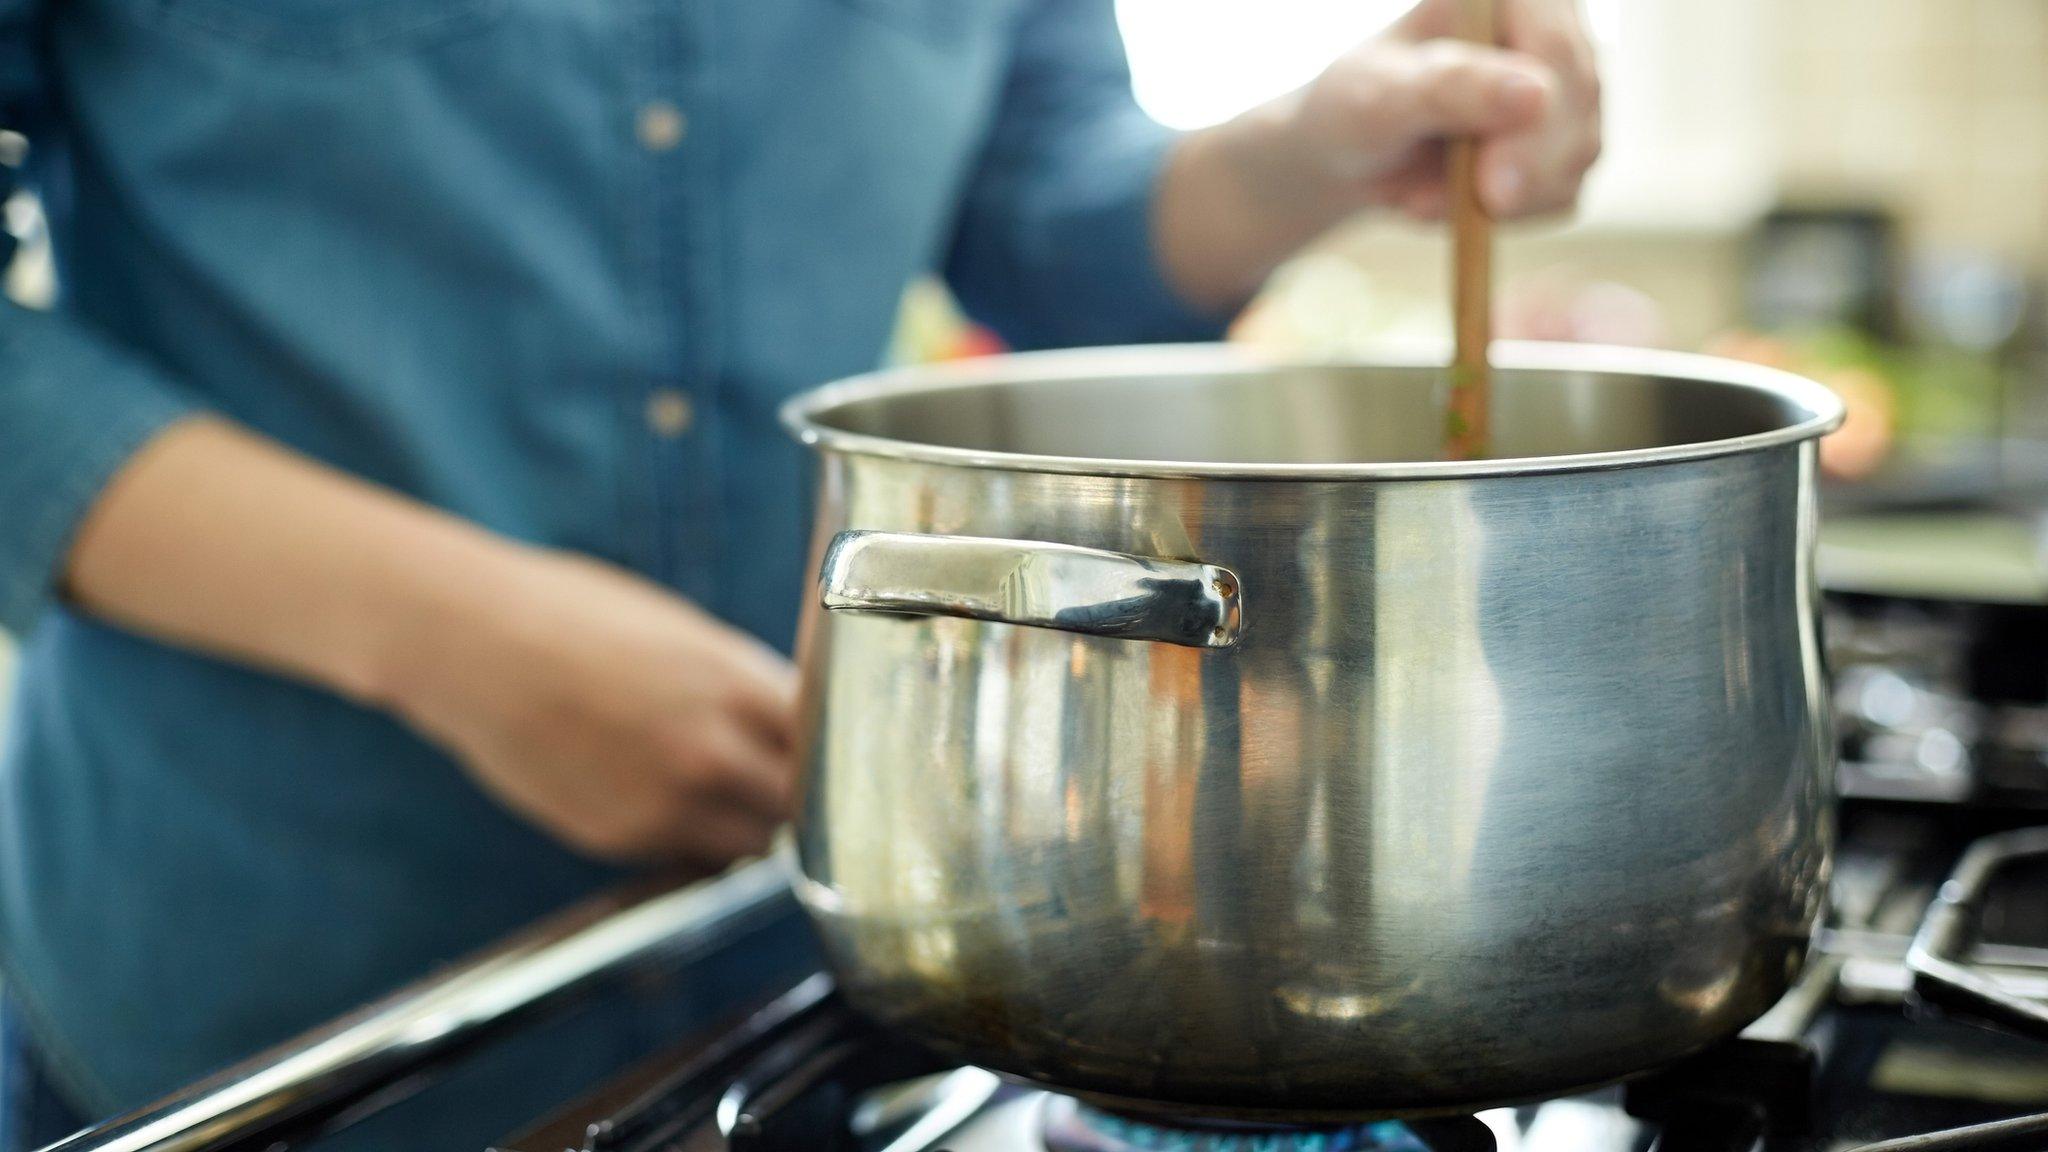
x=1941 y=976
x=1084 y=590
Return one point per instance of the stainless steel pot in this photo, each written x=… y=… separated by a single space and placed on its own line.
x=1180 y=733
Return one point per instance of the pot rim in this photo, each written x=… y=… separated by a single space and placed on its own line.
x=801 y=414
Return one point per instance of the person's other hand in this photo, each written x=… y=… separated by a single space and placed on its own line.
x=613 y=714
x=1374 y=122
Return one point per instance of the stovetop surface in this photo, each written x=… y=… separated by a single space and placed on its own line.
x=730 y=1040
x=1882 y=1074
x=1861 y=1066
x=673 y=1060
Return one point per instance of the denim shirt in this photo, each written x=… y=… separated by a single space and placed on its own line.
x=551 y=264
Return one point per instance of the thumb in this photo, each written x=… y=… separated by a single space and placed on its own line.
x=1445 y=88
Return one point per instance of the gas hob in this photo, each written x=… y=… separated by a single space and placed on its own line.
x=763 y=1057
x=697 y=1019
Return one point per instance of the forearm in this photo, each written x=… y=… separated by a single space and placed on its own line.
x=603 y=708
x=1233 y=202
x=216 y=539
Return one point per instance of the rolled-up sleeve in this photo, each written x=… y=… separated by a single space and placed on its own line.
x=73 y=406
x=1054 y=242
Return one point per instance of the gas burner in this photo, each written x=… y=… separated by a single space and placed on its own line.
x=1071 y=1126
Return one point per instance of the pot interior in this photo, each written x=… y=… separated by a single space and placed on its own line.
x=1307 y=415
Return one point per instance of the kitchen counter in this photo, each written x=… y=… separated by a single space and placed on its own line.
x=1988 y=557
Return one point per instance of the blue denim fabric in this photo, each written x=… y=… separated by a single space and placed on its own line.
x=434 y=243
x=32 y=1112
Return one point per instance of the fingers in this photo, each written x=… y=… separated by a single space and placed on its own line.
x=700 y=834
x=1465 y=89
x=1539 y=171
x=761 y=689
x=1536 y=175
x=731 y=764
x=713 y=781
x=728 y=792
x=1536 y=152
x=1427 y=204
x=1417 y=190
x=1394 y=100
x=1554 y=32
x=717 y=836
x=704 y=796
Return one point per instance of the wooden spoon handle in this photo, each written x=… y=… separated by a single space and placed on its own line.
x=1466 y=424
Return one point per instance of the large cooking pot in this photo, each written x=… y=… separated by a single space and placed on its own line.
x=1180 y=733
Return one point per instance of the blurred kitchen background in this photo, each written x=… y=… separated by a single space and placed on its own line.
x=1855 y=189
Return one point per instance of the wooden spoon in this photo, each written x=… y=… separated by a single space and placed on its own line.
x=1466 y=425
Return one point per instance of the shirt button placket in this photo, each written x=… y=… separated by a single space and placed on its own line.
x=669 y=128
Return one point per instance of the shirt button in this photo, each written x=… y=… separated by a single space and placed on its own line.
x=668 y=413
x=660 y=126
